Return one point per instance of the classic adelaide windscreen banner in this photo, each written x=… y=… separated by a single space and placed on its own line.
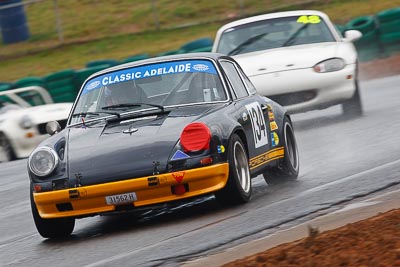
x=150 y=71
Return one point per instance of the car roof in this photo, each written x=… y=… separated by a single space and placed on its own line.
x=273 y=16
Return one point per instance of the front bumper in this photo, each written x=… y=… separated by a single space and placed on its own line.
x=327 y=88
x=90 y=200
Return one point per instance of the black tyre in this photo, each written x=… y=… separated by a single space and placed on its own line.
x=51 y=228
x=6 y=150
x=287 y=167
x=353 y=106
x=238 y=188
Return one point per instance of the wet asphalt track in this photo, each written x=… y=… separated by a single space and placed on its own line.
x=340 y=159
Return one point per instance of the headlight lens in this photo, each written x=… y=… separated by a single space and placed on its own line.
x=25 y=122
x=333 y=64
x=43 y=161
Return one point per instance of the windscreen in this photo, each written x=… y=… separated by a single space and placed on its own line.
x=154 y=85
x=274 y=33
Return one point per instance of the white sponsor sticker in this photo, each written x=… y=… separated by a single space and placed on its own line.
x=200 y=67
x=93 y=85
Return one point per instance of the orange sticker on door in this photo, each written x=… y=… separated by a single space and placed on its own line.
x=273 y=126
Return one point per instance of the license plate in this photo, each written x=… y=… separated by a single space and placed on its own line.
x=122 y=198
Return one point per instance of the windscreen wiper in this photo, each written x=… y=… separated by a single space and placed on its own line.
x=130 y=105
x=295 y=34
x=84 y=114
x=246 y=43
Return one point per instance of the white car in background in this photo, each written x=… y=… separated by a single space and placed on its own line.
x=23 y=124
x=296 y=58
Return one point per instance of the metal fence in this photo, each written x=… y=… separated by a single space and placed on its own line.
x=58 y=21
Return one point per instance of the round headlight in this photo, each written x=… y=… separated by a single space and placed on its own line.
x=43 y=161
x=333 y=64
x=26 y=122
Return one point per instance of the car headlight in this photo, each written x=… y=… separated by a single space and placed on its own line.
x=333 y=64
x=43 y=161
x=25 y=122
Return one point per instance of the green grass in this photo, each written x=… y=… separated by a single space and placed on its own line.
x=111 y=29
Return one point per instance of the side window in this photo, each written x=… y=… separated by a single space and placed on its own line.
x=234 y=79
x=249 y=84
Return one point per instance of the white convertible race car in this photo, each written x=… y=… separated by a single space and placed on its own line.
x=296 y=58
x=22 y=124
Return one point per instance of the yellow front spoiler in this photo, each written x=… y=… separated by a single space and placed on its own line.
x=90 y=200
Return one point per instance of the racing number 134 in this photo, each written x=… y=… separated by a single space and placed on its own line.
x=258 y=124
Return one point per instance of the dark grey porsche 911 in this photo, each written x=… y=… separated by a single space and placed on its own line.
x=155 y=131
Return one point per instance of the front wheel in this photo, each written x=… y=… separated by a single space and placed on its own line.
x=6 y=151
x=238 y=188
x=287 y=167
x=51 y=228
x=353 y=106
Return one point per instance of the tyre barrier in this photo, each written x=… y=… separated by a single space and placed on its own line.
x=4 y=87
x=108 y=62
x=82 y=74
x=388 y=15
x=363 y=24
x=28 y=81
x=368 y=52
x=171 y=52
x=341 y=29
x=135 y=58
x=368 y=38
x=62 y=86
x=389 y=26
x=390 y=38
x=198 y=44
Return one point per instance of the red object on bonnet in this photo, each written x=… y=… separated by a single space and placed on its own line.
x=195 y=137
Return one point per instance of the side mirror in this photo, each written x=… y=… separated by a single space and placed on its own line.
x=53 y=127
x=352 y=35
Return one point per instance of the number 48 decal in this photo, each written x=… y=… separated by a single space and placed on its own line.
x=258 y=124
x=313 y=19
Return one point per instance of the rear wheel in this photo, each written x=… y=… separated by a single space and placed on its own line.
x=6 y=151
x=238 y=188
x=287 y=167
x=353 y=106
x=51 y=228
